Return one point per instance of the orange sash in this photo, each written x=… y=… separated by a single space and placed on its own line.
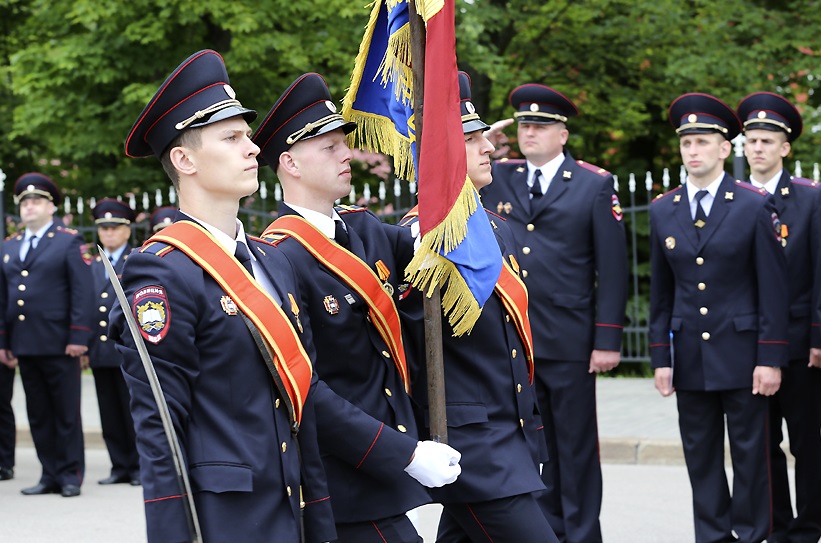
x=513 y=294
x=357 y=275
x=254 y=301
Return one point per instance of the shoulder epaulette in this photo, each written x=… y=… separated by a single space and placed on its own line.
x=671 y=191
x=272 y=239
x=506 y=160
x=803 y=181
x=343 y=209
x=14 y=235
x=744 y=185
x=494 y=214
x=409 y=218
x=67 y=230
x=593 y=168
x=156 y=248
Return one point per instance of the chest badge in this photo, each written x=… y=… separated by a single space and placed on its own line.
x=670 y=243
x=228 y=305
x=384 y=273
x=785 y=191
x=295 y=311
x=331 y=304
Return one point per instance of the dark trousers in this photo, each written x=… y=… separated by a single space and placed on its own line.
x=52 y=386
x=516 y=519
x=8 y=430
x=396 y=529
x=116 y=422
x=701 y=421
x=567 y=400
x=799 y=402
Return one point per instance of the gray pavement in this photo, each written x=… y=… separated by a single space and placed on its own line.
x=647 y=495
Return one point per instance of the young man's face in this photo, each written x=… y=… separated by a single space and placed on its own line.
x=541 y=143
x=36 y=211
x=703 y=154
x=113 y=237
x=478 y=149
x=324 y=164
x=765 y=150
x=225 y=162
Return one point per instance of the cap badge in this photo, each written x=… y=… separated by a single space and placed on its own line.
x=762 y=114
x=330 y=105
x=670 y=243
x=228 y=305
x=30 y=187
x=692 y=117
x=534 y=107
x=331 y=305
x=108 y=215
x=229 y=91
x=469 y=107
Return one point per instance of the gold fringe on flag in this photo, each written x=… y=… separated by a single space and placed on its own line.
x=429 y=270
x=429 y=8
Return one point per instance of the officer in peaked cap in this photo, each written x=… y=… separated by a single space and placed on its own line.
x=113 y=219
x=491 y=368
x=46 y=325
x=719 y=285
x=370 y=445
x=244 y=456
x=771 y=124
x=162 y=217
x=566 y=216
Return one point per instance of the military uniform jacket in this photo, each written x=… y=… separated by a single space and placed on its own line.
x=570 y=242
x=366 y=425
x=724 y=298
x=102 y=352
x=46 y=300
x=492 y=417
x=233 y=426
x=798 y=204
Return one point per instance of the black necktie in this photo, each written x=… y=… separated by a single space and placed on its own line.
x=701 y=216
x=32 y=246
x=536 y=188
x=341 y=235
x=241 y=253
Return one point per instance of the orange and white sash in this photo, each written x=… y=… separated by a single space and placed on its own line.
x=292 y=362
x=357 y=275
x=513 y=293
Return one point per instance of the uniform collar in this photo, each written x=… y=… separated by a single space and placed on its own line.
x=770 y=185
x=549 y=169
x=712 y=188
x=40 y=233
x=320 y=221
x=224 y=239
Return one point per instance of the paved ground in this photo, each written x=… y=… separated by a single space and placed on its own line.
x=647 y=496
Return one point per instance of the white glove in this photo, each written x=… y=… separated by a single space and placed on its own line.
x=434 y=464
x=417 y=236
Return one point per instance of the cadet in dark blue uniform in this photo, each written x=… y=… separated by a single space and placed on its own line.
x=491 y=408
x=225 y=331
x=719 y=286
x=113 y=219
x=366 y=424
x=567 y=221
x=46 y=294
x=771 y=124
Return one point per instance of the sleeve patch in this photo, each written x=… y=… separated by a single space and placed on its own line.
x=616 y=208
x=152 y=313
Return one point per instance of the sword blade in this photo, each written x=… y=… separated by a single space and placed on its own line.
x=159 y=398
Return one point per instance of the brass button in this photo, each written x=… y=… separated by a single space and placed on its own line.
x=386 y=354
x=24 y=273
x=21 y=303
x=703 y=311
x=103 y=338
x=526 y=250
x=284 y=446
x=705 y=336
x=530 y=228
x=21 y=317
x=21 y=288
x=699 y=260
x=288 y=490
x=276 y=404
x=524 y=273
x=401 y=428
x=103 y=323
x=702 y=286
x=104 y=295
x=519 y=387
x=388 y=392
x=522 y=423
x=103 y=309
x=513 y=353
x=507 y=318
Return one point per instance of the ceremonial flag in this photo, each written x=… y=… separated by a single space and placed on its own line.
x=458 y=248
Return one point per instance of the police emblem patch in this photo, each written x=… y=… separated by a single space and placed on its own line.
x=617 y=212
x=86 y=254
x=331 y=304
x=152 y=313
x=777 y=227
x=228 y=305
